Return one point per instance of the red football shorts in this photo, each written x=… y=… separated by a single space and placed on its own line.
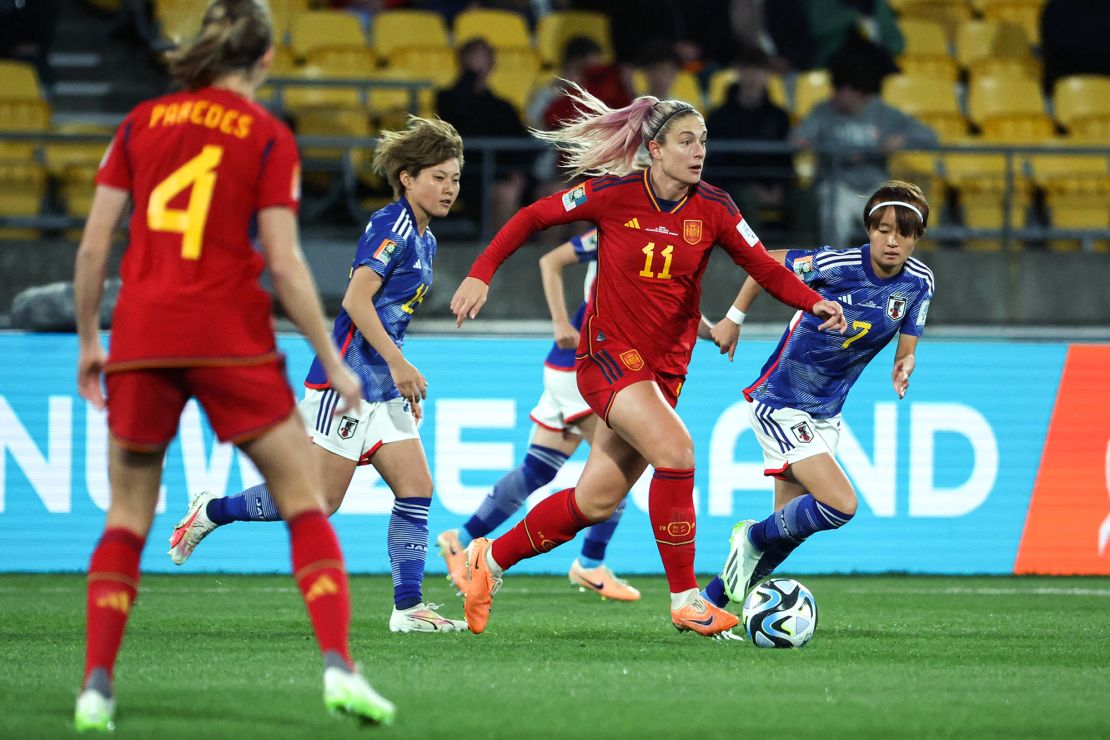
x=242 y=402
x=610 y=369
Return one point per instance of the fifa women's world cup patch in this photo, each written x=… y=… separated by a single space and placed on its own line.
x=803 y=267
x=632 y=360
x=574 y=198
x=385 y=251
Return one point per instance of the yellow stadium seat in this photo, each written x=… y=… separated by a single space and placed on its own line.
x=436 y=63
x=19 y=81
x=297 y=97
x=500 y=28
x=332 y=122
x=76 y=187
x=514 y=78
x=685 y=87
x=810 y=88
x=1003 y=95
x=923 y=169
x=179 y=24
x=24 y=115
x=343 y=61
x=1079 y=97
x=986 y=47
x=927 y=49
x=1025 y=13
x=22 y=187
x=59 y=155
x=556 y=28
x=980 y=184
x=390 y=106
x=316 y=29
x=931 y=100
x=1077 y=193
x=394 y=29
x=719 y=83
x=948 y=13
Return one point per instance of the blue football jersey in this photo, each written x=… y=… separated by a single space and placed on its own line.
x=585 y=248
x=391 y=247
x=813 y=370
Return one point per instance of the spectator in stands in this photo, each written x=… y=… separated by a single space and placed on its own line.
x=1074 y=34
x=833 y=23
x=474 y=110
x=26 y=34
x=580 y=53
x=758 y=182
x=855 y=131
x=661 y=63
x=779 y=28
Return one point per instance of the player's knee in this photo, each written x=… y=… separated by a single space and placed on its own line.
x=331 y=502
x=845 y=502
x=415 y=489
x=677 y=454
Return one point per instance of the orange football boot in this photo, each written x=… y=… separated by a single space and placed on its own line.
x=601 y=581
x=702 y=617
x=455 y=556
x=481 y=585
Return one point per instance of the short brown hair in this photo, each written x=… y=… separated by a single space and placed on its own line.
x=233 y=36
x=422 y=143
x=908 y=222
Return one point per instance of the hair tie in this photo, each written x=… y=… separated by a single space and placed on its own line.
x=680 y=109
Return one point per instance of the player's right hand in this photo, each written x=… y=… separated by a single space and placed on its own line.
x=833 y=315
x=725 y=335
x=412 y=386
x=566 y=336
x=90 y=366
x=349 y=387
x=468 y=300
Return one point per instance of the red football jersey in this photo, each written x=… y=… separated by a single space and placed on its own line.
x=199 y=165
x=650 y=261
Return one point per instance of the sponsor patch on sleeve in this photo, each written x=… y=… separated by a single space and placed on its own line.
x=574 y=198
x=747 y=233
x=385 y=251
x=803 y=267
x=923 y=312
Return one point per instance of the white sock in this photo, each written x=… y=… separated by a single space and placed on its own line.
x=494 y=568
x=682 y=598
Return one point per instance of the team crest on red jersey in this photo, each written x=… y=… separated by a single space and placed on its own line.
x=691 y=231
x=347 y=427
x=895 y=307
x=632 y=360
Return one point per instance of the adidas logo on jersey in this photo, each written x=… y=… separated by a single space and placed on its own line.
x=633 y=224
x=846 y=299
x=417 y=266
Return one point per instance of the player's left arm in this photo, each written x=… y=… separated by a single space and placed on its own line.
x=108 y=206
x=726 y=333
x=904 y=363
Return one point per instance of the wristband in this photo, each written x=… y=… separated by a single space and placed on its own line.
x=735 y=315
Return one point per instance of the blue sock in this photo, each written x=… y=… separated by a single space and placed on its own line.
x=597 y=539
x=251 y=505
x=408 y=549
x=714 y=593
x=779 y=534
x=538 y=469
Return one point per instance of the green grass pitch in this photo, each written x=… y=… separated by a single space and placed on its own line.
x=232 y=656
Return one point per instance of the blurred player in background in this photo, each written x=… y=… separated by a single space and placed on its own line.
x=657 y=222
x=795 y=404
x=389 y=278
x=562 y=420
x=193 y=321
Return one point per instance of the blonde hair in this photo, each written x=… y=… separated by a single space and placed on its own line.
x=233 y=36
x=422 y=143
x=907 y=221
x=612 y=141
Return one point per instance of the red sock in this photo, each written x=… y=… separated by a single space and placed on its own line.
x=113 y=584
x=319 y=572
x=671 y=508
x=555 y=520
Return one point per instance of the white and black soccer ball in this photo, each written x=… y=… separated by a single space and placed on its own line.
x=780 y=613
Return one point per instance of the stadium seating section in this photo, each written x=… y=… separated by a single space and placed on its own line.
x=969 y=69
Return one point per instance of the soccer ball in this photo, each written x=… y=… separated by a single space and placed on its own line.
x=780 y=613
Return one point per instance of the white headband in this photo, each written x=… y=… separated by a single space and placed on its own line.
x=897 y=203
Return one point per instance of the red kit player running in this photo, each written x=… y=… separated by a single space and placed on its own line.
x=193 y=321
x=657 y=222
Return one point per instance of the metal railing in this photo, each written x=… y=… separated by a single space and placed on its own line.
x=488 y=155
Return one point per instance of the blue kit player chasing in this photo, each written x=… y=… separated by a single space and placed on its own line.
x=389 y=279
x=795 y=404
x=562 y=419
